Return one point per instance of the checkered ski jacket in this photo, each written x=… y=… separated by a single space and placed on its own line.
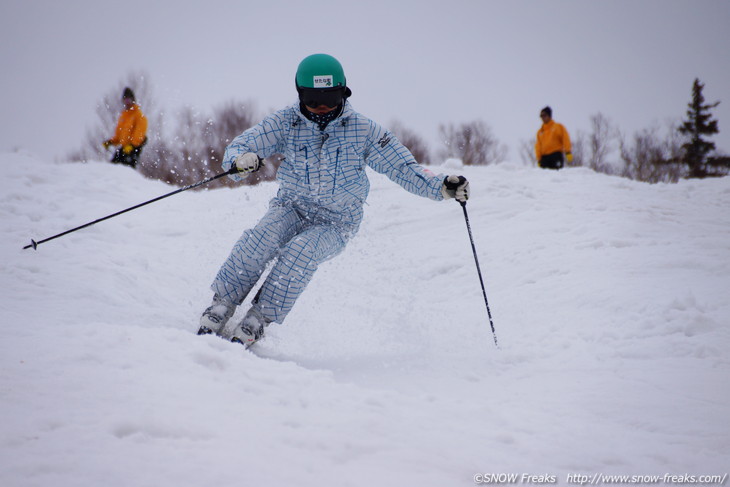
x=326 y=169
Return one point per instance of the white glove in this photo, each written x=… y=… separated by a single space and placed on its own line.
x=247 y=163
x=455 y=187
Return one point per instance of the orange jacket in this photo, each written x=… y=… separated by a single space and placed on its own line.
x=552 y=137
x=131 y=127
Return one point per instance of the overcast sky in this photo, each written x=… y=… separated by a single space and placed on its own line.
x=420 y=62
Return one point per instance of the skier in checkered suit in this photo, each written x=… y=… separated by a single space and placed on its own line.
x=319 y=206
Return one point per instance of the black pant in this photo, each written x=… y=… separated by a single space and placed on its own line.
x=551 y=161
x=128 y=159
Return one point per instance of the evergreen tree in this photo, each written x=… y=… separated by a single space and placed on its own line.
x=699 y=123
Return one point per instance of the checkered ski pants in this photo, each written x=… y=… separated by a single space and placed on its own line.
x=300 y=243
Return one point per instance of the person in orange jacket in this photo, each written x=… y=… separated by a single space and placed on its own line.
x=131 y=132
x=552 y=142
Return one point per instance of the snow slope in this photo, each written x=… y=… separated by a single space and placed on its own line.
x=609 y=297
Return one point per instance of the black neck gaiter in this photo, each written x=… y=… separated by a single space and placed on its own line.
x=322 y=120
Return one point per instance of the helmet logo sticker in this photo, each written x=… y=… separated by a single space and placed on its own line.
x=323 y=81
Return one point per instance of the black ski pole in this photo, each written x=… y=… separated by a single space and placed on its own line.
x=35 y=244
x=479 y=271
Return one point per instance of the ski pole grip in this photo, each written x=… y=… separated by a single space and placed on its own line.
x=234 y=169
x=451 y=185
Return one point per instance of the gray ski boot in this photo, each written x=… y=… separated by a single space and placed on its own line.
x=216 y=316
x=251 y=328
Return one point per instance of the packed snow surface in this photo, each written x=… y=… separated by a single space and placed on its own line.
x=609 y=298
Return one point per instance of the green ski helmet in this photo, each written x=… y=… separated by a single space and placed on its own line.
x=320 y=80
x=320 y=71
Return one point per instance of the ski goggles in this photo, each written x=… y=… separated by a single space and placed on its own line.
x=316 y=97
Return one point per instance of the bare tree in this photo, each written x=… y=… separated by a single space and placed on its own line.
x=232 y=118
x=414 y=143
x=190 y=147
x=592 y=149
x=200 y=140
x=473 y=143
x=650 y=158
x=229 y=121
x=527 y=152
x=578 y=148
x=601 y=143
